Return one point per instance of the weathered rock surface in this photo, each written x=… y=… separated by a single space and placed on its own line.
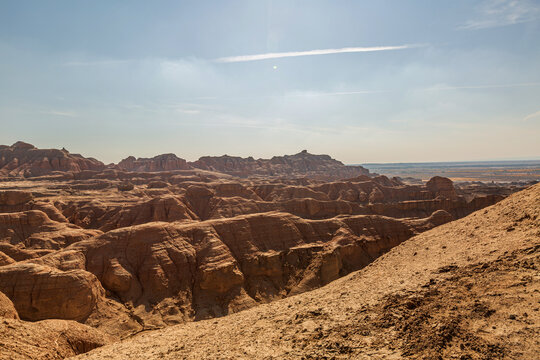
x=164 y=162
x=298 y=165
x=41 y=292
x=14 y=197
x=176 y=272
x=442 y=187
x=107 y=216
x=47 y=339
x=34 y=230
x=5 y=259
x=165 y=208
x=19 y=200
x=222 y=199
x=22 y=159
x=7 y=309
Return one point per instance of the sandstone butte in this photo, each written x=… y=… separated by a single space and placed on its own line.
x=93 y=254
x=22 y=159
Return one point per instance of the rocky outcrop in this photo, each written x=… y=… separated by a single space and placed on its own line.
x=442 y=187
x=34 y=230
x=175 y=272
x=22 y=159
x=14 y=197
x=106 y=216
x=164 y=162
x=19 y=200
x=5 y=259
x=48 y=339
x=302 y=164
x=358 y=196
x=41 y=292
x=7 y=309
x=165 y=208
x=223 y=199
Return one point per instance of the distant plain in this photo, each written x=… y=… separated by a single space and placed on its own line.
x=497 y=171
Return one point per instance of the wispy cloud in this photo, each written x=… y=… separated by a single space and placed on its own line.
x=257 y=57
x=532 y=116
x=96 y=63
x=496 y=13
x=338 y=93
x=489 y=86
x=60 y=113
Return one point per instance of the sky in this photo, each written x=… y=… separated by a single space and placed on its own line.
x=362 y=81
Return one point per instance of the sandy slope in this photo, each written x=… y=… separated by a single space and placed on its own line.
x=466 y=290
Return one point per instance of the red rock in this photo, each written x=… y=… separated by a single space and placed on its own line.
x=165 y=208
x=40 y=292
x=164 y=162
x=157 y=184
x=7 y=309
x=125 y=186
x=442 y=186
x=23 y=159
x=16 y=201
x=14 y=197
x=302 y=164
x=5 y=259
x=34 y=230
x=174 y=272
x=48 y=339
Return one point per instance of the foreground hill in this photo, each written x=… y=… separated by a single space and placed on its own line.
x=468 y=289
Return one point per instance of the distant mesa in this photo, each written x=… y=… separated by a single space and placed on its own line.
x=22 y=145
x=164 y=162
x=23 y=159
x=302 y=164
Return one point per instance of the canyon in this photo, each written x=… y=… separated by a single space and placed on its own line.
x=93 y=253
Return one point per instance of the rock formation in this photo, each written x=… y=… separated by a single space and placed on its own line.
x=164 y=162
x=47 y=339
x=302 y=164
x=442 y=187
x=7 y=309
x=34 y=230
x=40 y=292
x=172 y=273
x=22 y=159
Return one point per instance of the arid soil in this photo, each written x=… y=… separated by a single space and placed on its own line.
x=92 y=254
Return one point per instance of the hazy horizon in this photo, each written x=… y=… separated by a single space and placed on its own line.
x=364 y=82
x=509 y=160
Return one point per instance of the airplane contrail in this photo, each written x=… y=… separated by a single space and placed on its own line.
x=257 y=57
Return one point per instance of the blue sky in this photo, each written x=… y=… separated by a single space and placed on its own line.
x=394 y=81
